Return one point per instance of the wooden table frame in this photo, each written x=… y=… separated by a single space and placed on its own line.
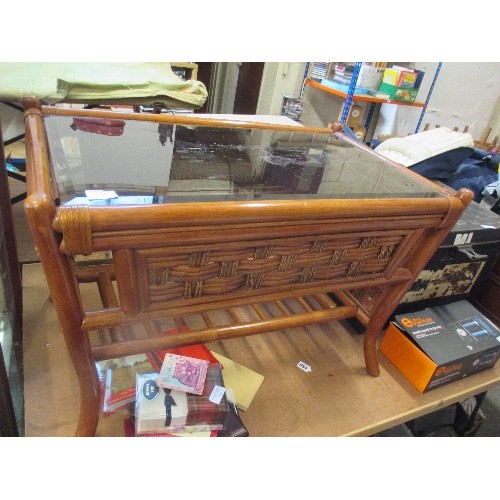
x=366 y=255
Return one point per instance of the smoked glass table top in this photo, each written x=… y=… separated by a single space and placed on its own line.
x=118 y=162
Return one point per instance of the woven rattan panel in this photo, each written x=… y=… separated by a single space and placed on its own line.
x=218 y=271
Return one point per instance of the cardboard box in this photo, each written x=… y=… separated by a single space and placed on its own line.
x=398 y=93
x=439 y=345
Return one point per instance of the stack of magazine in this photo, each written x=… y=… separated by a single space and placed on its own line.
x=174 y=392
x=169 y=408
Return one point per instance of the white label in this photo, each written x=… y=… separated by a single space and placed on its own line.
x=463 y=239
x=303 y=366
x=216 y=394
x=100 y=194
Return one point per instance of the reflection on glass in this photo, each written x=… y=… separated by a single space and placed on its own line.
x=146 y=162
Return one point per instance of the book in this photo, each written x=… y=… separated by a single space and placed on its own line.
x=198 y=351
x=242 y=380
x=160 y=410
x=182 y=373
x=117 y=377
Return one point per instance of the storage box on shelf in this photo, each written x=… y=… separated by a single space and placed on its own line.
x=460 y=267
x=399 y=78
x=339 y=77
x=395 y=93
x=400 y=84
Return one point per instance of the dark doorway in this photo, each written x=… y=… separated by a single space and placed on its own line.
x=248 y=88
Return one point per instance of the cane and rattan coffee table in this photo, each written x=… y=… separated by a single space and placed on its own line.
x=175 y=217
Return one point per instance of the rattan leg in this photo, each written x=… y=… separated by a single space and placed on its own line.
x=89 y=409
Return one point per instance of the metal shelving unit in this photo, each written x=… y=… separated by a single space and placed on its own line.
x=350 y=96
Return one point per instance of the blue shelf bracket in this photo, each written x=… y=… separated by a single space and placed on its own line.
x=428 y=97
x=306 y=72
x=350 y=92
x=369 y=117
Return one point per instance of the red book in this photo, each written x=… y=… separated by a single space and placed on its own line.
x=198 y=351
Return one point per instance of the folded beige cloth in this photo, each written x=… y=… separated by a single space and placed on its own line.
x=99 y=83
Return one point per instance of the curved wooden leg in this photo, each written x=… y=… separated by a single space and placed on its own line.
x=393 y=295
x=370 y=350
x=81 y=355
x=387 y=303
x=89 y=402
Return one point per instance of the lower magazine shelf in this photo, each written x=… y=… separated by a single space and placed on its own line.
x=336 y=398
x=221 y=324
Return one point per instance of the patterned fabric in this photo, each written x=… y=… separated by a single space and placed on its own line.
x=200 y=409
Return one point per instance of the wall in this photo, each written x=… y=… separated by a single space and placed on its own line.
x=465 y=93
x=223 y=85
x=279 y=79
